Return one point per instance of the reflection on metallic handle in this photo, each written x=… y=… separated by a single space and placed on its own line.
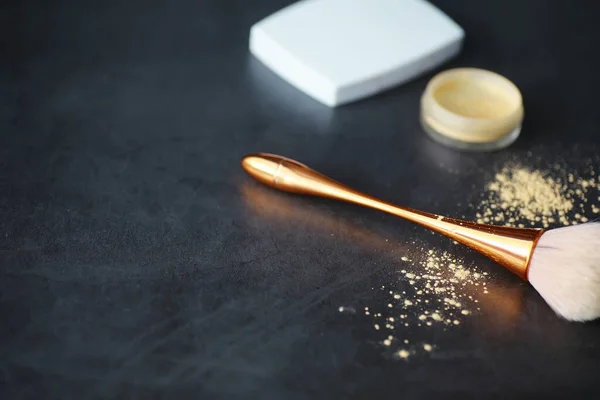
x=510 y=247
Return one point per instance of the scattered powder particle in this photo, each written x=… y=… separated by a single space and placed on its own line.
x=387 y=342
x=396 y=296
x=403 y=354
x=376 y=326
x=408 y=303
x=428 y=323
x=410 y=275
x=391 y=319
x=461 y=274
x=427 y=347
x=405 y=341
x=422 y=317
x=341 y=309
x=456 y=322
x=404 y=258
x=390 y=305
x=436 y=316
x=465 y=312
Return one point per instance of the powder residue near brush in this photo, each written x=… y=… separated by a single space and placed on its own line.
x=435 y=290
x=524 y=197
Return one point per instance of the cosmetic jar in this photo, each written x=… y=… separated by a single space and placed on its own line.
x=472 y=109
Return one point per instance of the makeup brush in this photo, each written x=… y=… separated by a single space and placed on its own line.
x=562 y=264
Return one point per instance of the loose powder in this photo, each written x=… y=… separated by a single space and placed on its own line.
x=438 y=289
x=524 y=197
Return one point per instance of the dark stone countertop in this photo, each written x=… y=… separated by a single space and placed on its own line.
x=138 y=260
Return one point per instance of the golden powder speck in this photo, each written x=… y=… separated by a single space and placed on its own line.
x=403 y=353
x=427 y=347
x=387 y=342
x=461 y=274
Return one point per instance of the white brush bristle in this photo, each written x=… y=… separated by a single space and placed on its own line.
x=565 y=270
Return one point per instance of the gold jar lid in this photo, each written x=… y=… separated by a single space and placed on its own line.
x=471 y=108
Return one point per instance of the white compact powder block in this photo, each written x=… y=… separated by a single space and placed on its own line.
x=339 y=51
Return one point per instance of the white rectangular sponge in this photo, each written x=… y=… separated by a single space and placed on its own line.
x=339 y=51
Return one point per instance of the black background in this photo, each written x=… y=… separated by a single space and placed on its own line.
x=138 y=260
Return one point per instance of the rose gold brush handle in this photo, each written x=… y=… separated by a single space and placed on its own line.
x=510 y=247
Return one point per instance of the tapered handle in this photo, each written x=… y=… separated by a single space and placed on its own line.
x=510 y=247
x=291 y=176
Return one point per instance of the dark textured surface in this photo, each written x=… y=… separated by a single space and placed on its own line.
x=137 y=260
